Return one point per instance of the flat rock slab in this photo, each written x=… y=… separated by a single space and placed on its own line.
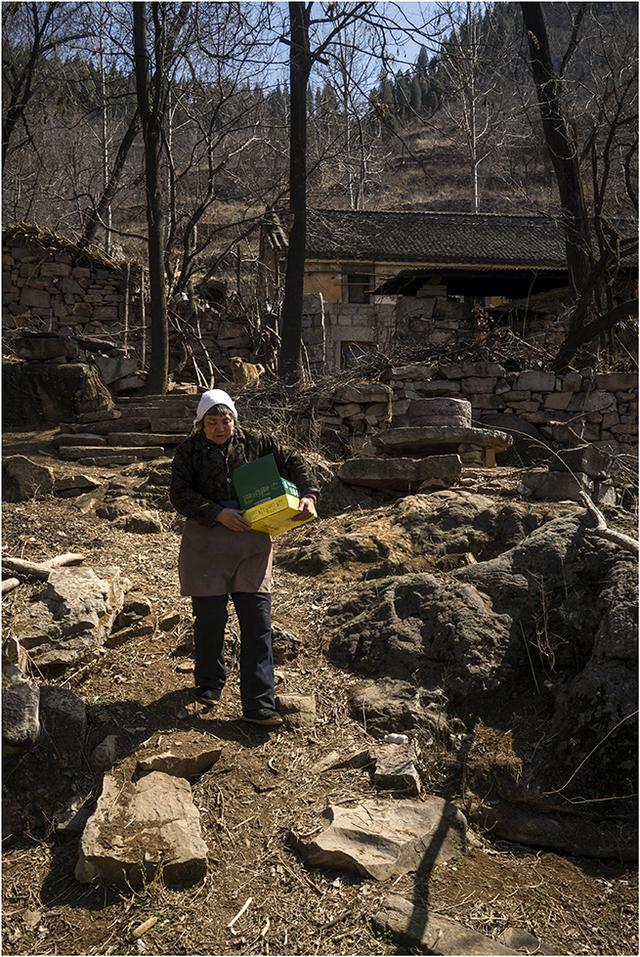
x=101 y=453
x=382 y=839
x=396 y=770
x=401 y=474
x=142 y=438
x=139 y=827
x=363 y=392
x=77 y=438
x=105 y=426
x=182 y=754
x=412 y=925
x=429 y=439
x=297 y=710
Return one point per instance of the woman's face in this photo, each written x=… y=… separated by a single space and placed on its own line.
x=218 y=428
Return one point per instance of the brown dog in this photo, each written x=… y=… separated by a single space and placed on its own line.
x=245 y=373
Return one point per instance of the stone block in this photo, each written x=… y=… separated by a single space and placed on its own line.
x=112 y=368
x=617 y=381
x=437 y=387
x=362 y=392
x=534 y=380
x=557 y=400
x=55 y=269
x=586 y=458
x=556 y=486
x=570 y=382
x=37 y=299
x=349 y=410
x=82 y=309
x=401 y=474
x=487 y=401
x=23 y=479
x=596 y=401
x=418 y=371
x=516 y=395
x=481 y=369
x=476 y=385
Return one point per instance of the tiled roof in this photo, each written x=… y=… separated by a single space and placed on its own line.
x=435 y=238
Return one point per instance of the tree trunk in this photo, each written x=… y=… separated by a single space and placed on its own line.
x=299 y=69
x=581 y=336
x=563 y=152
x=157 y=378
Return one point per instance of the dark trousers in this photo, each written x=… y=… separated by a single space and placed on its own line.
x=256 y=656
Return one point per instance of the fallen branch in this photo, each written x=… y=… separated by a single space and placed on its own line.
x=239 y=915
x=602 y=530
x=40 y=570
x=9 y=584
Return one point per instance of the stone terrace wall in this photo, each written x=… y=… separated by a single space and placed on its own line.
x=599 y=408
x=62 y=289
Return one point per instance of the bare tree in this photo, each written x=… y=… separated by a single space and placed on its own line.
x=151 y=86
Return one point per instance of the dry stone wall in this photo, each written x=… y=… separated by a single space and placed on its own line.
x=598 y=408
x=63 y=290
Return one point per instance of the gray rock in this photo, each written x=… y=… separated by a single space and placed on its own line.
x=13 y=655
x=586 y=459
x=480 y=369
x=37 y=392
x=411 y=924
x=20 y=716
x=298 y=711
x=75 y=613
x=418 y=371
x=401 y=474
x=563 y=832
x=63 y=720
x=535 y=380
x=112 y=368
x=433 y=439
x=617 y=381
x=41 y=347
x=386 y=705
x=182 y=754
x=596 y=401
x=529 y=444
x=556 y=486
x=140 y=523
x=381 y=839
x=72 y=485
x=442 y=411
x=139 y=827
x=518 y=939
x=362 y=392
x=23 y=479
x=396 y=770
x=103 y=756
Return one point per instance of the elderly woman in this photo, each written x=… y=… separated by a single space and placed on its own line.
x=220 y=555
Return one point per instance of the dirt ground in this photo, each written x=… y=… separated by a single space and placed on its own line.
x=262 y=794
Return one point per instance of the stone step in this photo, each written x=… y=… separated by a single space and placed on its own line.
x=124 y=424
x=100 y=453
x=182 y=426
x=169 y=398
x=141 y=438
x=78 y=438
x=162 y=411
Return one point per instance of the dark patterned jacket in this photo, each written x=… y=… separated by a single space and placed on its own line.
x=201 y=471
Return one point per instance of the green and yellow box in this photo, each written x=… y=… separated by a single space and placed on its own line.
x=270 y=503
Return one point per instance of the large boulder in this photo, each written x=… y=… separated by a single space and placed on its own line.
x=72 y=617
x=24 y=479
x=37 y=392
x=383 y=839
x=139 y=827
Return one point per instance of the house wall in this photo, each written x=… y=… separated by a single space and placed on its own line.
x=59 y=291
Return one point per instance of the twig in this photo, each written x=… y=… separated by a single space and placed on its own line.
x=239 y=915
x=595 y=748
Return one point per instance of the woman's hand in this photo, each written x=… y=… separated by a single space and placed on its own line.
x=307 y=507
x=233 y=520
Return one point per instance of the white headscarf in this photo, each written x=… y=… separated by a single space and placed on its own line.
x=211 y=398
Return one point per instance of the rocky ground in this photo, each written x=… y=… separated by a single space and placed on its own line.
x=495 y=633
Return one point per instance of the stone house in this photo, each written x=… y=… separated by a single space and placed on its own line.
x=381 y=277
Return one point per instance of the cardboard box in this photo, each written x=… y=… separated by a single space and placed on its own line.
x=276 y=516
x=260 y=481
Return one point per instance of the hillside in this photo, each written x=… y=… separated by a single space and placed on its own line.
x=481 y=735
